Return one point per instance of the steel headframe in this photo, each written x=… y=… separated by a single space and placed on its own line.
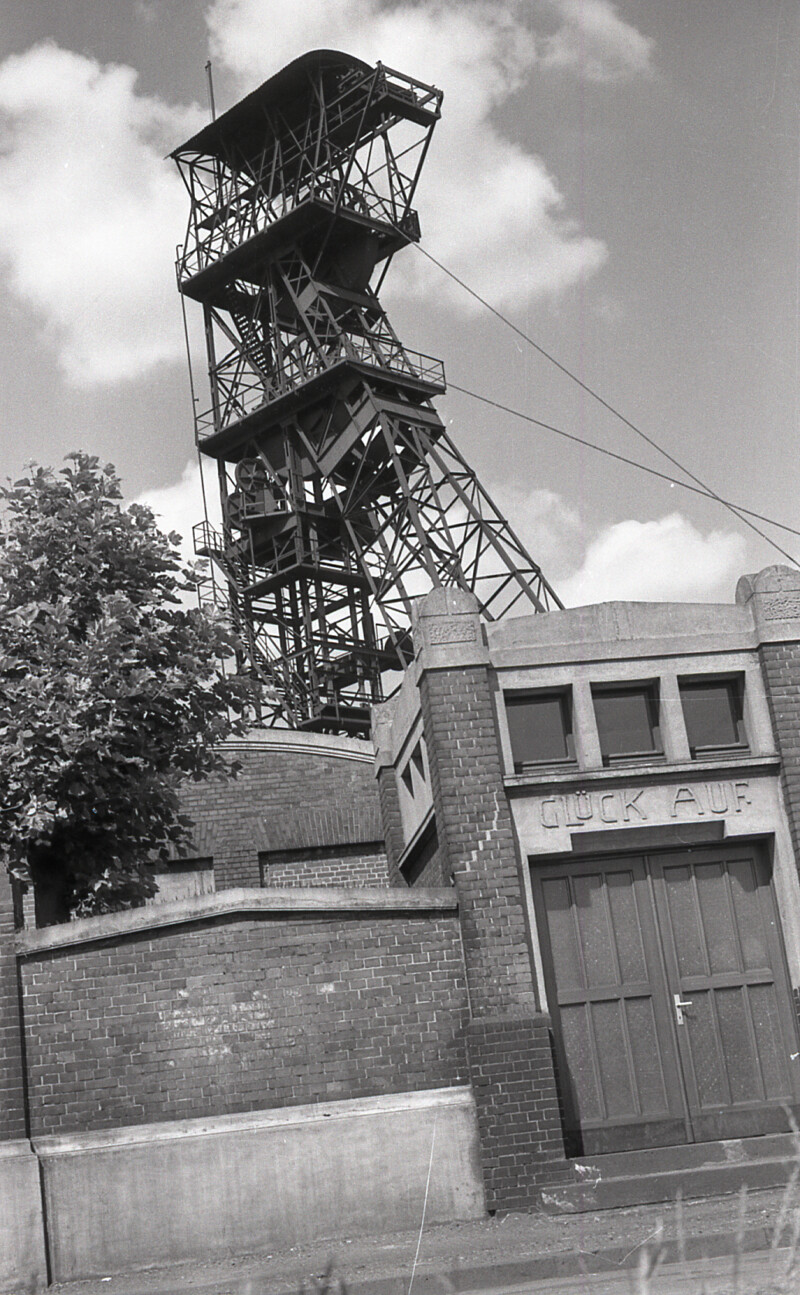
x=343 y=497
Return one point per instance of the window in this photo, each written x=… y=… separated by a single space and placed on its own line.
x=540 y=728
x=413 y=775
x=627 y=721
x=712 y=709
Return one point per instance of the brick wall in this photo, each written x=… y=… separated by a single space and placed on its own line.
x=518 y=1114
x=12 y=1092
x=334 y=868
x=282 y=799
x=240 y=1013
x=780 y=663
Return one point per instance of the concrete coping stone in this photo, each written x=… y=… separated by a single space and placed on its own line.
x=287 y=740
x=17 y=1149
x=249 y=1121
x=290 y=900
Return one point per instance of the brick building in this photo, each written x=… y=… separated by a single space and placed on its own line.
x=544 y=940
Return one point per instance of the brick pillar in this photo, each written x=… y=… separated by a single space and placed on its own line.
x=509 y=1041
x=773 y=597
x=780 y=665
x=23 y=1260
x=12 y=1082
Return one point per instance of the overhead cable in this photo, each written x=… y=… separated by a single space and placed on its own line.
x=621 y=458
x=712 y=494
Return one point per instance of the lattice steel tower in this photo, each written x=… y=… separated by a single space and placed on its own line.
x=343 y=496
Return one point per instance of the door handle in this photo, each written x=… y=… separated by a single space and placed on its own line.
x=680 y=1003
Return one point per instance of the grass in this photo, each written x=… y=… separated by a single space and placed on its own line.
x=783 y=1277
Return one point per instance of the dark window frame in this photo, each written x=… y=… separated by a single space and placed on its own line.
x=734 y=685
x=650 y=690
x=564 y=697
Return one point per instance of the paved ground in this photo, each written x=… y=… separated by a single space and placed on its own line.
x=499 y=1254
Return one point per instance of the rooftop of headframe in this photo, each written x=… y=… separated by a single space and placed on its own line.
x=244 y=122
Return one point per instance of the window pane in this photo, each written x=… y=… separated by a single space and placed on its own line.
x=627 y=720
x=540 y=728
x=713 y=712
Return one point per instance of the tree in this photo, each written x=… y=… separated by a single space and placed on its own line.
x=111 y=691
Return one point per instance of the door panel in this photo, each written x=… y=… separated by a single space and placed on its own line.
x=724 y=957
x=622 y=937
x=621 y=1087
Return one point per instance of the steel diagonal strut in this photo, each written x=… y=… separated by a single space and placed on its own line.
x=343 y=497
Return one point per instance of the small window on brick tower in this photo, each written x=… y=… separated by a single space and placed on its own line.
x=540 y=728
x=712 y=709
x=627 y=721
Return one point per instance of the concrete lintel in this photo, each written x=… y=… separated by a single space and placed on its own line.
x=295 y=900
x=65 y=1144
x=620 y=775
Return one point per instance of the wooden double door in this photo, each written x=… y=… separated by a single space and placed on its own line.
x=672 y=1011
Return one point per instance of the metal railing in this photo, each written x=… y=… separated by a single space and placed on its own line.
x=243 y=214
x=244 y=395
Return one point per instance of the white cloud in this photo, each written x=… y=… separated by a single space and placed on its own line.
x=92 y=213
x=489 y=209
x=550 y=529
x=179 y=507
x=665 y=560
x=595 y=42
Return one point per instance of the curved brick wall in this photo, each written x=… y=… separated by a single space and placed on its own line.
x=297 y=798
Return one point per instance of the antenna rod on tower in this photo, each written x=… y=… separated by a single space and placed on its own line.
x=211 y=90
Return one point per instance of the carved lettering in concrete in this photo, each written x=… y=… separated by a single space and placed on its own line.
x=684 y=797
x=630 y=804
x=643 y=804
x=710 y=798
x=576 y=809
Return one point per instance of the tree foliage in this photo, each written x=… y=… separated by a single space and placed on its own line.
x=111 y=691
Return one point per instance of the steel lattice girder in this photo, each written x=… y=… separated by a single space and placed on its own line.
x=343 y=496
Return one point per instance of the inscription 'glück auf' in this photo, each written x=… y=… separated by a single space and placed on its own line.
x=577 y=809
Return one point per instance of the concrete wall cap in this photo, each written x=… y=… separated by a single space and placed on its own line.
x=447 y=602
x=65 y=1144
x=661 y=627
x=290 y=740
x=770 y=580
x=18 y=1149
x=296 y=900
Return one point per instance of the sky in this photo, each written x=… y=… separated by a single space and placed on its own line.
x=621 y=180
